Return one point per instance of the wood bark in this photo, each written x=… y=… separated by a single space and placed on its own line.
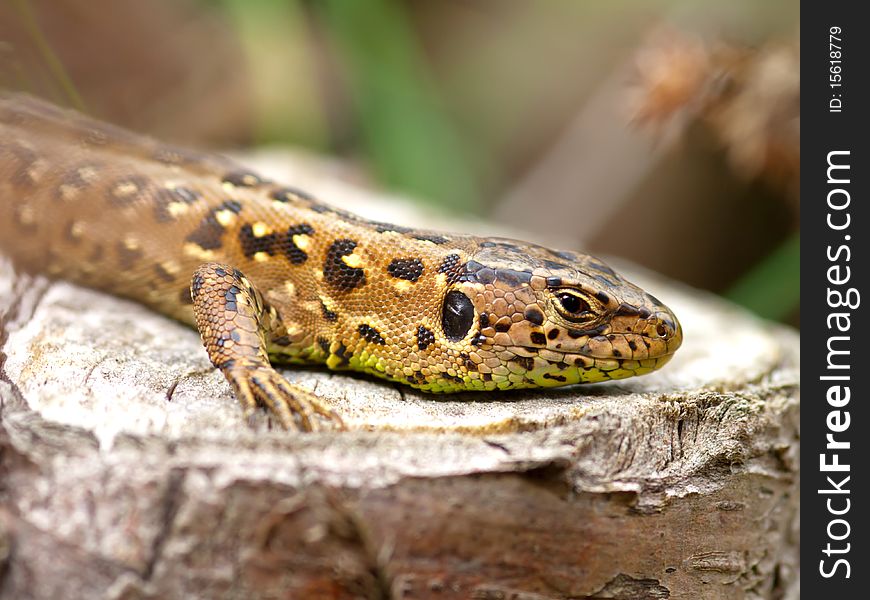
x=126 y=471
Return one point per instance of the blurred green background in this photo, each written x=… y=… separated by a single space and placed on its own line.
x=663 y=132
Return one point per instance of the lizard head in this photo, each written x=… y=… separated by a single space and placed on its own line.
x=527 y=316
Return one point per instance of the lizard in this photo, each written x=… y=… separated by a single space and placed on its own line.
x=270 y=275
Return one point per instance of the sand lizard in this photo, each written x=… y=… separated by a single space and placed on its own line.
x=268 y=274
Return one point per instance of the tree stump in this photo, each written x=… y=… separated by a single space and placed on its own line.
x=127 y=471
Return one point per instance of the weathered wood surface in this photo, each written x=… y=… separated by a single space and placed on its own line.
x=126 y=472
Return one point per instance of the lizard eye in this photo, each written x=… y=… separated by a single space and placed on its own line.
x=574 y=307
x=457 y=315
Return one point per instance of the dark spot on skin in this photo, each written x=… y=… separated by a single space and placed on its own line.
x=97 y=253
x=71 y=179
x=611 y=337
x=24 y=159
x=169 y=155
x=430 y=237
x=282 y=341
x=243 y=179
x=553 y=265
x=295 y=254
x=164 y=197
x=424 y=337
x=469 y=364
x=234 y=206
x=450 y=377
x=324 y=344
x=252 y=244
x=320 y=208
x=478 y=339
x=273 y=243
x=409 y=269
x=485 y=276
x=371 y=335
x=128 y=257
x=538 y=338
x=452 y=268
x=513 y=278
x=487 y=376
x=534 y=315
x=127 y=190
x=626 y=310
x=502 y=327
x=643 y=312
x=342 y=354
x=336 y=272
x=602 y=297
x=501 y=244
x=209 y=232
x=600 y=266
x=526 y=362
x=632 y=345
x=220 y=272
x=560 y=378
x=184 y=296
x=385 y=227
x=290 y=194
x=163 y=273
x=554 y=282
x=553 y=333
x=569 y=256
x=230 y=297
x=327 y=314
x=484 y=319
x=617 y=353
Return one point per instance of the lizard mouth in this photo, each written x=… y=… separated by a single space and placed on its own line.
x=555 y=368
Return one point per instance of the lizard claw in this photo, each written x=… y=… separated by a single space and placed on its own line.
x=294 y=407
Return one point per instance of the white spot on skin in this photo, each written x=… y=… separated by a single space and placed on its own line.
x=261 y=256
x=26 y=215
x=171 y=267
x=87 y=174
x=68 y=192
x=177 y=209
x=122 y=190
x=402 y=285
x=259 y=229
x=195 y=251
x=302 y=241
x=76 y=230
x=352 y=260
x=37 y=170
x=131 y=243
x=225 y=217
x=290 y=288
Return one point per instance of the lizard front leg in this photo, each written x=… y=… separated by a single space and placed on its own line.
x=230 y=315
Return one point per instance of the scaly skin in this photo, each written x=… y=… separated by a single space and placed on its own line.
x=270 y=275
